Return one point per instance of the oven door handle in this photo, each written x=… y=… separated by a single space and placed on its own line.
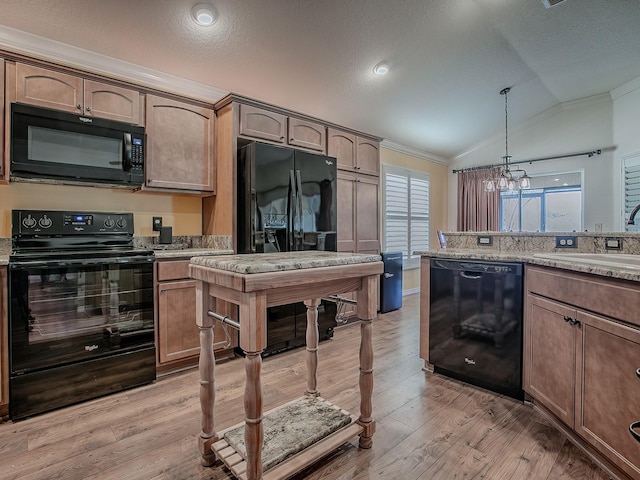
x=84 y=262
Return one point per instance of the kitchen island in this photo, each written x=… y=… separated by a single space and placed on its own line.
x=581 y=344
x=255 y=282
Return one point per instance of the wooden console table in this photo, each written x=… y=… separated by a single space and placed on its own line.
x=255 y=282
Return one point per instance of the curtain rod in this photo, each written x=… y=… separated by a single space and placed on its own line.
x=484 y=167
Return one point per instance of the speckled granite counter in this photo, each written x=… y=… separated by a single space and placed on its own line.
x=5 y=250
x=278 y=262
x=529 y=257
x=188 y=252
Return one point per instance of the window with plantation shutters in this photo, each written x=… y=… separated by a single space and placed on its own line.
x=405 y=212
x=631 y=179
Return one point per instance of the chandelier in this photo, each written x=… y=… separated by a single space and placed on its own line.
x=505 y=179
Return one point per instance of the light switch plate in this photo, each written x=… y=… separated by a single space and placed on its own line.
x=485 y=240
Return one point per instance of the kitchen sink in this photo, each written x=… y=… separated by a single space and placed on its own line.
x=617 y=260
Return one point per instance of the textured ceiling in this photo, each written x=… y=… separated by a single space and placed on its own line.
x=449 y=58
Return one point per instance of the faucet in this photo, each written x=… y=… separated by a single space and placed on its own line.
x=632 y=217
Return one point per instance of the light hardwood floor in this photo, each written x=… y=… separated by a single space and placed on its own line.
x=428 y=426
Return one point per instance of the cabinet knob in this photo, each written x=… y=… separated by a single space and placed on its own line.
x=88 y=109
x=638 y=372
x=79 y=107
x=282 y=138
x=163 y=291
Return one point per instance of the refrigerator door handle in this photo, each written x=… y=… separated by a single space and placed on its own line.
x=292 y=211
x=253 y=219
x=300 y=232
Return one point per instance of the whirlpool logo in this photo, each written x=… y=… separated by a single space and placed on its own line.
x=85 y=119
x=90 y=348
x=469 y=361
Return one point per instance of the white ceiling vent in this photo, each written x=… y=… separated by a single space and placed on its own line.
x=551 y=3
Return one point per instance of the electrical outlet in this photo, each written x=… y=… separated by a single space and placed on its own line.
x=613 y=243
x=567 y=241
x=157 y=223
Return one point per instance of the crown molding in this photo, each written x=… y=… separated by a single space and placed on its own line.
x=29 y=44
x=626 y=88
x=414 y=152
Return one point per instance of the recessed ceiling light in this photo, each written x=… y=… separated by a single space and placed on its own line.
x=203 y=14
x=381 y=68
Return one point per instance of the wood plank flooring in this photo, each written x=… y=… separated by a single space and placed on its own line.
x=428 y=426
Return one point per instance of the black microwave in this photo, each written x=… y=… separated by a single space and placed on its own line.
x=73 y=148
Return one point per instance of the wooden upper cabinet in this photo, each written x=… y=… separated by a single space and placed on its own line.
x=260 y=123
x=368 y=156
x=346 y=214
x=307 y=134
x=60 y=91
x=49 y=89
x=342 y=145
x=108 y=101
x=353 y=152
x=180 y=145
x=367 y=215
x=2 y=119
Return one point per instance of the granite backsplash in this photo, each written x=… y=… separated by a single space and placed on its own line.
x=181 y=242
x=516 y=242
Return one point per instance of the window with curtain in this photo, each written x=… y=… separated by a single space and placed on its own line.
x=405 y=212
x=552 y=204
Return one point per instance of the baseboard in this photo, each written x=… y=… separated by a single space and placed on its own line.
x=410 y=291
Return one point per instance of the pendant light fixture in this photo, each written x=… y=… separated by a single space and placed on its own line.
x=505 y=180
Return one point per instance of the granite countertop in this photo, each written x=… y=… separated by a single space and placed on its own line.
x=4 y=260
x=529 y=257
x=277 y=262
x=189 y=252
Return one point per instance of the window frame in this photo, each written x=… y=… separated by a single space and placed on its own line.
x=409 y=261
x=543 y=200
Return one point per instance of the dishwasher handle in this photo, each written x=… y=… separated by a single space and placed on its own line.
x=471 y=275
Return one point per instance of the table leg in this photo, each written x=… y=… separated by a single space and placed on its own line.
x=312 y=346
x=253 y=431
x=366 y=310
x=207 y=366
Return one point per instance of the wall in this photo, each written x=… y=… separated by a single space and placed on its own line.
x=437 y=200
x=582 y=125
x=182 y=212
x=626 y=133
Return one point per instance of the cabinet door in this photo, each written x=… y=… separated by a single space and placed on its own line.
x=609 y=393
x=115 y=103
x=46 y=88
x=260 y=123
x=307 y=134
x=4 y=344
x=550 y=356
x=367 y=156
x=178 y=334
x=180 y=150
x=2 y=117
x=367 y=215
x=342 y=145
x=346 y=200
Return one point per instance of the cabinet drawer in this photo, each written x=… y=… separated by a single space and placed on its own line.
x=173 y=270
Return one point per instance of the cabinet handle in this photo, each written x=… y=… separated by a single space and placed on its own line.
x=291 y=139
x=566 y=318
x=638 y=372
x=573 y=321
x=632 y=429
x=163 y=291
x=88 y=109
x=282 y=138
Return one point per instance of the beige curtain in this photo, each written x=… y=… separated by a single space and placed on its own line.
x=478 y=211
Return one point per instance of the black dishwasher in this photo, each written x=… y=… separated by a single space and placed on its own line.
x=475 y=323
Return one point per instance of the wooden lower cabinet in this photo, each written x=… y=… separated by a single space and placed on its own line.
x=550 y=356
x=358 y=213
x=584 y=367
x=4 y=344
x=178 y=337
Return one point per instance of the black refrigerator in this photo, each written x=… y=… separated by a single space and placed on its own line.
x=287 y=202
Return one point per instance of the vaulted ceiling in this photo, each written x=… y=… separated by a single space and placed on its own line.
x=449 y=58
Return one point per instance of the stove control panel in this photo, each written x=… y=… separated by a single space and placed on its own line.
x=49 y=222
